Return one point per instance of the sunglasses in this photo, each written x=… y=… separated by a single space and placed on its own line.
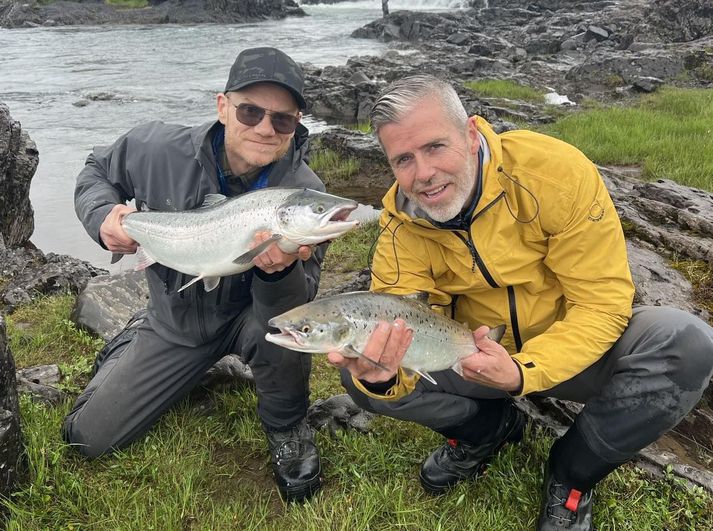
x=251 y=115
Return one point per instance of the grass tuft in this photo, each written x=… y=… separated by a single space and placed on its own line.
x=331 y=167
x=505 y=88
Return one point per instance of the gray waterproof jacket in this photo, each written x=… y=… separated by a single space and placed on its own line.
x=171 y=167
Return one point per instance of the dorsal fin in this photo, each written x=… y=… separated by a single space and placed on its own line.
x=419 y=296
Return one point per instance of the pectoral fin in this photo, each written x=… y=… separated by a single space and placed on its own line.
x=143 y=260
x=210 y=283
x=350 y=352
x=115 y=257
x=426 y=376
x=247 y=258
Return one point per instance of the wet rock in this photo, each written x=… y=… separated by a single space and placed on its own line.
x=28 y=273
x=109 y=301
x=18 y=162
x=337 y=413
x=11 y=466
x=647 y=84
x=596 y=33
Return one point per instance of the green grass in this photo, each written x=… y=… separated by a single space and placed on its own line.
x=505 y=88
x=330 y=166
x=669 y=133
x=362 y=127
x=128 y=4
x=350 y=252
x=210 y=470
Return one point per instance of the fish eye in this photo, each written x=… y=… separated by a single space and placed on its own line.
x=305 y=329
x=320 y=209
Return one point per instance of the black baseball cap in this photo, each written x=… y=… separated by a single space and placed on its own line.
x=267 y=65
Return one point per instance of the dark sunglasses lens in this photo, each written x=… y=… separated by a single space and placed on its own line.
x=250 y=115
x=284 y=123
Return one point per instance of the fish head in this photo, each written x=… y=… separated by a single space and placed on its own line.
x=312 y=327
x=308 y=217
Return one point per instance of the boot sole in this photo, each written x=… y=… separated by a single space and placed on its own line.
x=302 y=492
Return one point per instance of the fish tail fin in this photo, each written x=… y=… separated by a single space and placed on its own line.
x=497 y=333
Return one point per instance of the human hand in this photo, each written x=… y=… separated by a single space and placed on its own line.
x=386 y=346
x=491 y=365
x=113 y=235
x=275 y=259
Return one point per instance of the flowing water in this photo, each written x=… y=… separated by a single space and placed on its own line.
x=132 y=74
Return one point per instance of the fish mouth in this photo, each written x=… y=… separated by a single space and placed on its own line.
x=338 y=214
x=290 y=339
x=335 y=222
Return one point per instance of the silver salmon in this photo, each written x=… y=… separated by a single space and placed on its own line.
x=344 y=322
x=214 y=240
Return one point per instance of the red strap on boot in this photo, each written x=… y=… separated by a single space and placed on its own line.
x=453 y=442
x=573 y=500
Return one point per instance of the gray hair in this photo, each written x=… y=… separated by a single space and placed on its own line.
x=401 y=96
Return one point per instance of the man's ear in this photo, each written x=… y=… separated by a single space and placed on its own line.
x=473 y=136
x=223 y=105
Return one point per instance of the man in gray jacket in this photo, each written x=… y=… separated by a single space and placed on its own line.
x=162 y=353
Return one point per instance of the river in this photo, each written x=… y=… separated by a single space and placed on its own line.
x=131 y=74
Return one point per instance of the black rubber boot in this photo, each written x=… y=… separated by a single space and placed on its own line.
x=564 y=507
x=295 y=462
x=458 y=460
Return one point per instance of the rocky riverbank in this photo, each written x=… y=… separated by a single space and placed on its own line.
x=15 y=14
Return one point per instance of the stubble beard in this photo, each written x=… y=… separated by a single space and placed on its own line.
x=464 y=186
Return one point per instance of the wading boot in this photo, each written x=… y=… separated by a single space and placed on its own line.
x=563 y=507
x=458 y=460
x=295 y=462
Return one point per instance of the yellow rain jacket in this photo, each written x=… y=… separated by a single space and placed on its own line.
x=545 y=255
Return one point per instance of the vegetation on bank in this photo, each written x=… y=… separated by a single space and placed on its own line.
x=331 y=167
x=668 y=133
x=505 y=88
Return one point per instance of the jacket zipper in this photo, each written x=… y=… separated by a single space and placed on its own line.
x=477 y=260
x=512 y=303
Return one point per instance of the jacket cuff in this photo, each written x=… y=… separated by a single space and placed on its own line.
x=518 y=391
x=404 y=384
x=530 y=373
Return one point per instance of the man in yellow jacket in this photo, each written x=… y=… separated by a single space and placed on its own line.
x=518 y=229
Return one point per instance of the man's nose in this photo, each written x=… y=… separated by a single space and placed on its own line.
x=424 y=170
x=264 y=126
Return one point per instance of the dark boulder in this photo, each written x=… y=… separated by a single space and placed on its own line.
x=10 y=434
x=18 y=162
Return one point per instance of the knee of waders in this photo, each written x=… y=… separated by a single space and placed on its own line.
x=690 y=356
x=81 y=437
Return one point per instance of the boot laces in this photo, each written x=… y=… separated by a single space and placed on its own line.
x=556 y=509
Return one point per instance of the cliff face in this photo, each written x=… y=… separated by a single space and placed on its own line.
x=15 y=14
x=18 y=162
